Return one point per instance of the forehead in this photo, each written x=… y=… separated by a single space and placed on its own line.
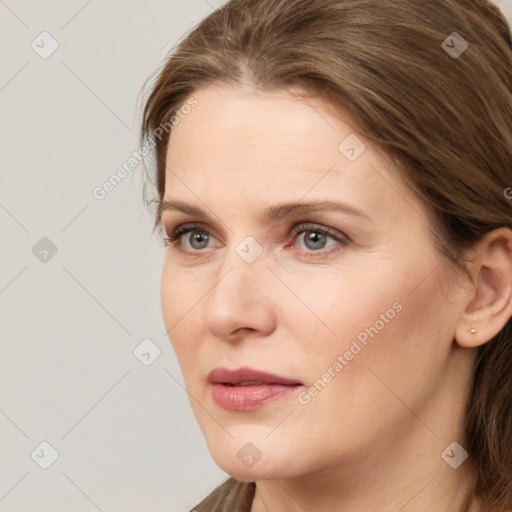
x=254 y=132
x=241 y=143
x=239 y=123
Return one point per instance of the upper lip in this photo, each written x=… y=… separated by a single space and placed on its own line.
x=246 y=374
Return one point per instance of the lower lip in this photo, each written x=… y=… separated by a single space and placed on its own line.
x=248 y=398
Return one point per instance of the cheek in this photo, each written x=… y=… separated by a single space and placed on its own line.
x=340 y=307
x=395 y=345
x=379 y=320
x=180 y=297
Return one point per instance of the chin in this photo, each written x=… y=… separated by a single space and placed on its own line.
x=258 y=472
x=273 y=466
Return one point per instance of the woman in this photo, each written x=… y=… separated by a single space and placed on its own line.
x=333 y=180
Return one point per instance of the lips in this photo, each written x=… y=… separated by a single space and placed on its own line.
x=246 y=376
x=246 y=389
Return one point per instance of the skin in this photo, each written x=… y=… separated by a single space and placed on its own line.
x=372 y=438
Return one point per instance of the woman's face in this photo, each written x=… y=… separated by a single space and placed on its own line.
x=360 y=316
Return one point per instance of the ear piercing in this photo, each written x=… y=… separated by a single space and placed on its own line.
x=472 y=330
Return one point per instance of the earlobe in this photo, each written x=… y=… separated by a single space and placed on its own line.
x=489 y=305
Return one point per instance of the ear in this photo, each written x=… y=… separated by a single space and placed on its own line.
x=489 y=299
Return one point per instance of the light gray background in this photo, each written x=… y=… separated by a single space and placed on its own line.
x=124 y=432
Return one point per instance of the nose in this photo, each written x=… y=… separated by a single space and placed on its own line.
x=240 y=303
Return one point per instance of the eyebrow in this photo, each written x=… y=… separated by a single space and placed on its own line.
x=272 y=213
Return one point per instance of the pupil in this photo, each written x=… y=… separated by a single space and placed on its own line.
x=317 y=239
x=200 y=238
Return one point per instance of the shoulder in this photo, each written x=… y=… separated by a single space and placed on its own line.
x=230 y=496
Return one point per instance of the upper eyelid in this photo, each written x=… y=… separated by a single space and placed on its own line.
x=297 y=228
x=341 y=240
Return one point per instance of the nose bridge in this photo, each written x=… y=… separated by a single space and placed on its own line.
x=242 y=268
x=238 y=296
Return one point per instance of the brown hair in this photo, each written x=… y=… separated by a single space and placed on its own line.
x=445 y=119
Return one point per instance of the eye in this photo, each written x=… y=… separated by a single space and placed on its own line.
x=314 y=237
x=198 y=239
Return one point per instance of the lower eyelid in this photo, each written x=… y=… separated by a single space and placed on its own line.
x=341 y=242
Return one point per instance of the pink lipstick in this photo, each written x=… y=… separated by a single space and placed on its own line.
x=246 y=389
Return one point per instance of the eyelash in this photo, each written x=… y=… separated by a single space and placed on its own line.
x=174 y=239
